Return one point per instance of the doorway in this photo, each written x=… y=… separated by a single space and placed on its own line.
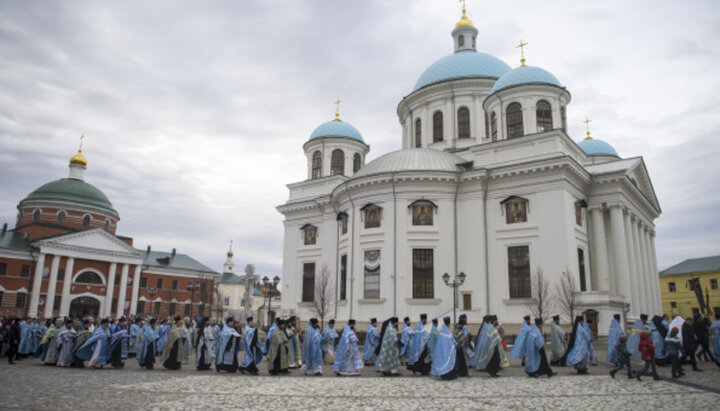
x=82 y=307
x=591 y=317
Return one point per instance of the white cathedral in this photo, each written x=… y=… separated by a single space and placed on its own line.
x=488 y=183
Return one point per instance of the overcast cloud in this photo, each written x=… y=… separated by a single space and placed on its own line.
x=195 y=112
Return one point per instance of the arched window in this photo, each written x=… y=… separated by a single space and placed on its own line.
x=543 y=113
x=357 y=162
x=461 y=41
x=316 y=165
x=463 y=118
x=36 y=216
x=514 y=121
x=88 y=277
x=437 y=126
x=418 y=133
x=86 y=220
x=493 y=126
x=61 y=217
x=337 y=163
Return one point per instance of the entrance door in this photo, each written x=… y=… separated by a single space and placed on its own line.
x=82 y=307
x=592 y=317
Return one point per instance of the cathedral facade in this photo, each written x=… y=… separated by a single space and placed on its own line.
x=487 y=183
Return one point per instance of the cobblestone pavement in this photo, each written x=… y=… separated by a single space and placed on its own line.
x=29 y=385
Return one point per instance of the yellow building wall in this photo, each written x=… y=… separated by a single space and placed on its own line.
x=685 y=299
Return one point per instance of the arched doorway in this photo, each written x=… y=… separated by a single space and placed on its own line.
x=82 y=307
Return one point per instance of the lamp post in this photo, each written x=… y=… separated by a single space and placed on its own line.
x=192 y=287
x=269 y=286
x=151 y=292
x=455 y=284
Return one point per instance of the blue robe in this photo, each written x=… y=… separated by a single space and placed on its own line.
x=163 y=331
x=121 y=338
x=658 y=341
x=372 y=338
x=406 y=338
x=463 y=339
x=614 y=335
x=305 y=341
x=388 y=359
x=25 y=346
x=135 y=338
x=591 y=350
x=534 y=341
x=65 y=341
x=557 y=340
x=633 y=346
x=444 y=353
x=518 y=350
x=488 y=341
x=314 y=353
x=148 y=336
x=715 y=332
x=228 y=346
x=432 y=342
x=579 y=351
x=418 y=343
x=329 y=341
x=101 y=336
x=188 y=343
x=47 y=349
x=268 y=338
x=347 y=357
x=253 y=354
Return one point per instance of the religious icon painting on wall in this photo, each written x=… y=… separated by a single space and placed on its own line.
x=422 y=214
x=516 y=211
x=372 y=217
x=310 y=234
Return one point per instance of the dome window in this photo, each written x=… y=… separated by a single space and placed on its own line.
x=36 y=216
x=463 y=118
x=493 y=126
x=357 y=163
x=316 y=165
x=461 y=41
x=107 y=225
x=86 y=220
x=418 y=133
x=514 y=121
x=437 y=127
x=337 y=163
x=543 y=113
x=61 y=217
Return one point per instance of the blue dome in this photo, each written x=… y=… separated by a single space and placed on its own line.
x=465 y=63
x=525 y=75
x=336 y=129
x=594 y=147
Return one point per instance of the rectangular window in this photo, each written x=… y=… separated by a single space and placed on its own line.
x=578 y=214
x=242 y=302
x=581 y=268
x=226 y=301
x=174 y=285
x=343 y=277
x=113 y=307
x=308 y=289
x=423 y=273
x=61 y=274
x=515 y=212
x=143 y=282
x=714 y=284
x=202 y=287
x=160 y=283
x=20 y=300
x=25 y=271
x=172 y=308
x=673 y=304
x=56 y=304
x=117 y=280
x=188 y=310
x=2 y=294
x=372 y=274
x=3 y=268
x=671 y=287
x=343 y=224
x=519 y=271
x=157 y=307
x=141 y=307
x=467 y=302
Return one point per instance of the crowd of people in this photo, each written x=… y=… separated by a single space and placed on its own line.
x=430 y=348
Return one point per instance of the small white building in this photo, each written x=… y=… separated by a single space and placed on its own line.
x=487 y=183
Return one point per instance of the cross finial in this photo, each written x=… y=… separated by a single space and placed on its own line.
x=521 y=46
x=587 y=128
x=82 y=137
x=463 y=9
x=337 y=109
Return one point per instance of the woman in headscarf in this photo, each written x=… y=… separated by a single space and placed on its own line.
x=388 y=351
x=578 y=355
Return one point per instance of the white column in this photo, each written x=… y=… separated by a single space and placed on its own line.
x=599 y=258
x=67 y=282
x=52 y=284
x=110 y=289
x=477 y=126
x=653 y=261
x=123 y=290
x=652 y=292
x=135 y=289
x=634 y=295
x=37 y=281
x=640 y=273
x=617 y=232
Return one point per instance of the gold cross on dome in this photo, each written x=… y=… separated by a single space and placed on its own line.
x=587 y=128
x=463 y=2
x=521 y=46
x=82 y=137
x=337 y=109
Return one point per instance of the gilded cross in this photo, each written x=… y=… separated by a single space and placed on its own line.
x=463 y=2
x=82 y=137
x=587 y=128
x=521 y=46
x=337 y=109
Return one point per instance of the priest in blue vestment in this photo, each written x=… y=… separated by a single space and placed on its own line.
x=465 y=352
x=518 y=350
x=614 y=334
x=47 y=349
x=84 y=333
x=419 y=351
x=578 y=355
x=348 y=360
x=25 y=347
x=65 y=341
x=96 y=349
x=558 y=345
x=405 y=340
x=434 y=331
x=205 y=346
x=388 y=352
x=312 y=346
x=489 y=353
x=253 y=353
x=591 y=349
x=163 y=331
x=228 y=346
x=637 y=364
x=173 y=353
x=536 y=363
x=135 y=333
x=444 y=353
x=372 y=339
x=268 y=337
x=119 y=342
x=658 y=333
x=148 y=344
x=329 y=342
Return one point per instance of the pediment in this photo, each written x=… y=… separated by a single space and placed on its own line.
x=640 y=178
x=98 y=239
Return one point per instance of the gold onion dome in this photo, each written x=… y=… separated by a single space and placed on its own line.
x=464 y=21
x=78 y=159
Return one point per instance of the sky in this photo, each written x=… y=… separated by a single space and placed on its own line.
x=195 y=113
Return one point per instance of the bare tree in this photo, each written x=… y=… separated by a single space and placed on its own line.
x=324 y=294
x=564 y=295
x=540 y=295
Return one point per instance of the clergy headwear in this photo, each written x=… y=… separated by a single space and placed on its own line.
x=177 y=318
x=556 y=317
x=616 y=316
x=351 y=322
x=493 y=317
x=423 y=317
x=446 y=320
x=462 y=318
x=281 y=322
x=393 y=319
x=589 y=321
x=527 y=318
x=331 y=322
x=538 y=321
x=435 y=321
x=406 y=319
x=246 y=320
x=152 y=321
x=104 y=321
x=229 y=319
x=373 y=320
x=578 y=318
x=644 y=317
x=313 y=321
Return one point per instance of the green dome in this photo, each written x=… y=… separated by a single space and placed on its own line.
x=72 y=191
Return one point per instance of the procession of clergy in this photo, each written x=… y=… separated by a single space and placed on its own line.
x=429 y=348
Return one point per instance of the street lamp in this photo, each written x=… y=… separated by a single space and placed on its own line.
x=151 y=292
x=268 y=302
x=192 y=287
x=455 y=284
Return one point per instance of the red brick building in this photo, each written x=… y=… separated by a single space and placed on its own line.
x=64 y=258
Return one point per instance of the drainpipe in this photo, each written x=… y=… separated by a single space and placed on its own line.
x=392 y=176
x=337 y=256
x=455 y=225
x=352 y=251
x=487 y=263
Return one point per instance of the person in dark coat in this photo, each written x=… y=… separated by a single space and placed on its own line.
x=689 y=343
x=701 y=326
x=13 y=339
